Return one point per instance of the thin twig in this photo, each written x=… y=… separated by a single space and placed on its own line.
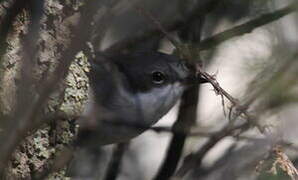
x=187 y=111
x=194 y=160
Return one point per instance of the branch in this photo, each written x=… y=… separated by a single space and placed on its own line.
x=188 y=107
x=186 y=119
x=186 y=116
x=80 y=36
x=114 y=165
x=6 y=22
x=197 y=11
x=16 y=124
x=195 y=159
x=211 y=42
x=246 y=27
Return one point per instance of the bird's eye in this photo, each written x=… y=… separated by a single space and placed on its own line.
x=158 y=77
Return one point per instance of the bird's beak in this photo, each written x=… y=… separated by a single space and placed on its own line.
x=201 y=79
x=194 y=79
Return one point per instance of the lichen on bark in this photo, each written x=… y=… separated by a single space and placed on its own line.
x=37 y=150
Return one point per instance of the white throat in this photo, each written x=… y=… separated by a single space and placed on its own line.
x=158 y=101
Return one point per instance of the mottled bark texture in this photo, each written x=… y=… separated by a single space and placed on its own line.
x=127 y=30
x=39 y=147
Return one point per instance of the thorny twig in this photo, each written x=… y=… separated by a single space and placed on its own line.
x=195 y=159
x=187 y=110
x=240 y=109
x=222 y=92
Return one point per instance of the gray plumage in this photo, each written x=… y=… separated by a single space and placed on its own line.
x=129 y=93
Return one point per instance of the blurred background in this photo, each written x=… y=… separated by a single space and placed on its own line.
x=257 y=65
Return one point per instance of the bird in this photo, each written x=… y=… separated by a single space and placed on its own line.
x=128 y=94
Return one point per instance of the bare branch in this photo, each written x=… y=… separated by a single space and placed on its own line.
x=194 y=160
x=115 y=163
x=246 y=27
x=17 y=124
x=6 y=22
x=186 y=119
x=80 y=36
x=198 y=11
